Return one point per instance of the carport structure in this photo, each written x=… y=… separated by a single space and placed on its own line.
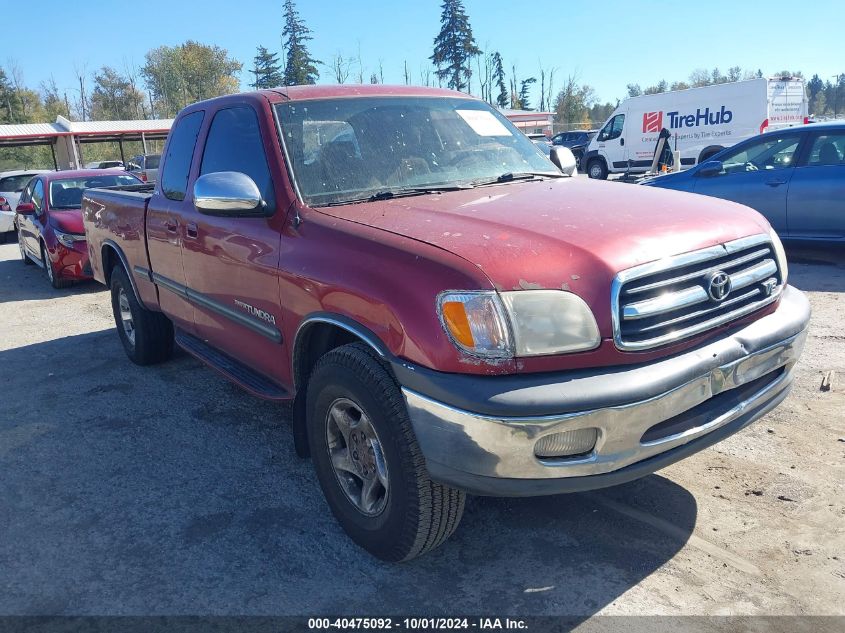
x=66 y=138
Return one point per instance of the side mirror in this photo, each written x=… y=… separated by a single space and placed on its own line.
x=25 y=208
x=710 y=168
x=564 y=159
x=228 y=193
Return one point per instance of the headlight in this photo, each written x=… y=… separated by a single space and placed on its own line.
x=68 y=239
x=781 y=255
x=550 y=322
x=520 y=323
x=476 y=323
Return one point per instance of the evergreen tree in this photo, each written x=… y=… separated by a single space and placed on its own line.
x=454 y=46
x=267 y=70
x=524 y=86
x=503 y=99
x=300 y=67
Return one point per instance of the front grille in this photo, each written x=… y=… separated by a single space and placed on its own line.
x=674 y=298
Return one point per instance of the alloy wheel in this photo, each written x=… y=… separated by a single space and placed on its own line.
x=357 y=458
x=126 y=319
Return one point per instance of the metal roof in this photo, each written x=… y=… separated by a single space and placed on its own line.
x=32 y=133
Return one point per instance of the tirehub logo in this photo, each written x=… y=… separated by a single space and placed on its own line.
x=652 y=122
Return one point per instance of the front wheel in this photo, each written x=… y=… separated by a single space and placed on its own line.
x=597 y=169
x=55 y=281
x=147 y=336
x=368 y=462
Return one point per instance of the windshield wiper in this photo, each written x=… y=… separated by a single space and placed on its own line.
x=510 y=176
x=404 y=192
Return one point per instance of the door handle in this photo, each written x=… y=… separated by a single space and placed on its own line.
x=191 y=230
x=170 y=224
x=622 y=141
x=775 y=183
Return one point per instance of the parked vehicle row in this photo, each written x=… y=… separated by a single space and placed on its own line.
x=446 y=311
x=12 y=184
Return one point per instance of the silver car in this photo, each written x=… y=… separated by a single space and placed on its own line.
x=12 y=184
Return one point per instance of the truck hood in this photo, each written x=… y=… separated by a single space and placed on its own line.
x=68 y=221
x=570 y=233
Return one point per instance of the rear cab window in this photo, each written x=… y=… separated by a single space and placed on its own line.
x=180 y=152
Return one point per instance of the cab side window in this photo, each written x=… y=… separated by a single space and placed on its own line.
x=613 y=128
x=38 y=194
x=180 y=151
x=234 y=144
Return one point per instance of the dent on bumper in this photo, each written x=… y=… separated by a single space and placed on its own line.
x=750 y=370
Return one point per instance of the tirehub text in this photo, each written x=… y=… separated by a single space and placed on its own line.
x=701 y=117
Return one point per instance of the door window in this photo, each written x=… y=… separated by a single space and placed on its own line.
x=180 y=150
x=234 y=144
x=613 y=128
x=827 y=149
x=38 y=194
x=767 y=153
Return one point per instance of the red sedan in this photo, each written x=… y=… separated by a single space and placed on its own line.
x=49 y=221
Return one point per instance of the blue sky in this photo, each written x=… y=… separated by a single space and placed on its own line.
x=607 y=45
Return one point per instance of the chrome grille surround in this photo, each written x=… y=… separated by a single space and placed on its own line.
x=639 y=323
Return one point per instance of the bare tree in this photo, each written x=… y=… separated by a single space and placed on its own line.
x=341 y=68
x=425 y=74
x=407 y=74
x=360 y=65
x=82 y=104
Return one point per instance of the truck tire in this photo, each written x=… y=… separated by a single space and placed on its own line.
x=53 y=277
x=368 y=461
x=597 y=169
x=708 y=154
x=147 y=336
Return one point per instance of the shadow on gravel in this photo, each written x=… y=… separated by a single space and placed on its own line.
x=817 y=268
x=19 y=282
x=166 y=490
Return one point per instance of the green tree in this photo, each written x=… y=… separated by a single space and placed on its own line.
x=524 y=97
x=503 y=98
x=574 y=103
x=114 y=97
x=454 y=46
x=179 y=75
x=634 y=90
x=300 y=67
x=267 y=70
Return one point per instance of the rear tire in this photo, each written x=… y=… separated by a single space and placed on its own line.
x=596 y=169
x=408 y=514
x=147 y=336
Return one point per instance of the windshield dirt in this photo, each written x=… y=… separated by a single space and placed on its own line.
x=344 y=150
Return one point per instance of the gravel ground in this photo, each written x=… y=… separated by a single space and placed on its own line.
x=167 y=490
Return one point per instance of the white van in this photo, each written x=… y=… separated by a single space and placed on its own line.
x=701 y=122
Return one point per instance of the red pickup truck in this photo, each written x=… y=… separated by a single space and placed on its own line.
x=447 y=311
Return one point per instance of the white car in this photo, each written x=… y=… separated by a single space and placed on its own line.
x=11 y=186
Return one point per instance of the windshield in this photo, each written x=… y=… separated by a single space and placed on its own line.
x=152 y=161
x=346 y=149
x=67 y=193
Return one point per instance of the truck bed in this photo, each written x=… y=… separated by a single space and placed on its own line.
x=114 y=220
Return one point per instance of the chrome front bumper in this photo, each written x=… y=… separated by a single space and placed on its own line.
x=735 y=380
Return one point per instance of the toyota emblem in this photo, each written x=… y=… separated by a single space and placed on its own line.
x=718 y=285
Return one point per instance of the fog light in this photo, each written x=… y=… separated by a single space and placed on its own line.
x=567 y=443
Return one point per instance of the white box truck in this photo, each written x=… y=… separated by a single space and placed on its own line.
x=700 y=121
